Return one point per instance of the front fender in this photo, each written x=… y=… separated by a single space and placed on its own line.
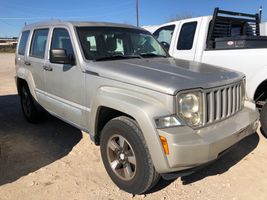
x=143 y=109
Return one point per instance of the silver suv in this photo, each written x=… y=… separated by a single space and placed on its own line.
x=153 y=116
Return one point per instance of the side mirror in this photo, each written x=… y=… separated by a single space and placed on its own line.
x=165 y=45
x=60 y=56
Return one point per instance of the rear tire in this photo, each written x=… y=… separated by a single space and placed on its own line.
x=126 y=157
x=263 y=120
x=29 y=105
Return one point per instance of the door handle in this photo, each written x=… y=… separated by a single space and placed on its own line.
x=47 y=68
x=27 y=63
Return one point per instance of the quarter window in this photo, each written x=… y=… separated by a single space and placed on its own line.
x=61 y=40
x=39 y=43
x=23 y=42
x=186 y=37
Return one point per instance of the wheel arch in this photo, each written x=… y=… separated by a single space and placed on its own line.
x=20 y=82
x=103 y=115
x=141 y=110
x=261 y=92
x=25 y=76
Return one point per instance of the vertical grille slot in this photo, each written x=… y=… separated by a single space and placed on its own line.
x=238 y=97
x=234 y=100
x=241 y=94
x=218 y=105
x=224 y=102
x=229 y=91
x=211 y=107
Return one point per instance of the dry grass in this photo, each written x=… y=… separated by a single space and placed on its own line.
x=7 y=50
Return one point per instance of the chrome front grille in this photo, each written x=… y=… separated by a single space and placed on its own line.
x=223 y=102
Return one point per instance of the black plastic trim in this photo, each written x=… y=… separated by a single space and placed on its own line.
x=92 y=73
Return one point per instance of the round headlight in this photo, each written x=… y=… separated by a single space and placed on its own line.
x=189 y=106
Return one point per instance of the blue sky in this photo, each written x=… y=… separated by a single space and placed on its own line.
x=14 y=13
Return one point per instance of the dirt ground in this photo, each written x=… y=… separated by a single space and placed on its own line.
x=52 y=160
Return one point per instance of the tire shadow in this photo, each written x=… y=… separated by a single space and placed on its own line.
x=220 y=166
x=25 y=147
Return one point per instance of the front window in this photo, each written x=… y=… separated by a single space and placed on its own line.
x=164 y=35
x=100 y=43
x=61 y=40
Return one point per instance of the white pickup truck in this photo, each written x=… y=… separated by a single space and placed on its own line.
x=227 y=39
x=263 y=28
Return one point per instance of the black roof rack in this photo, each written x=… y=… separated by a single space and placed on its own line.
x=223 y=21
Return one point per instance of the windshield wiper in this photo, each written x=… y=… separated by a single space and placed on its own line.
x=151 y=55
x=115 y=57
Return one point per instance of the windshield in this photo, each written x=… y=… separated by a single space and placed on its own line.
x=100 y=43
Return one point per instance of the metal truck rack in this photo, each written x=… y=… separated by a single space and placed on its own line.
x=228 y=28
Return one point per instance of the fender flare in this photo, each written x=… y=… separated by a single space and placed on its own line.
x=143 y=110
x=26 y=75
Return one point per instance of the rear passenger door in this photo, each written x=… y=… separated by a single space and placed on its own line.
x=36 y=59
x=64 y=83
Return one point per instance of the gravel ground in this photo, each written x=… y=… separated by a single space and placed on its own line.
x=52 y=160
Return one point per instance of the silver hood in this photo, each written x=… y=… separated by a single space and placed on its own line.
x=166 y=75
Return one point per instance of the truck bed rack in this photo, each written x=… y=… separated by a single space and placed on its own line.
x=229 y=24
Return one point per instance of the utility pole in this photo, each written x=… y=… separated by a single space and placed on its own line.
x=137 y=14
x=260 y=11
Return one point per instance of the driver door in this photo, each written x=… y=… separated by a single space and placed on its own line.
x=64 y=83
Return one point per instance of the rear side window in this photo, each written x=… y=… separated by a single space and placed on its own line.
x=186 y=37
x=39 y=43
x=23 y=42
x=61 y=40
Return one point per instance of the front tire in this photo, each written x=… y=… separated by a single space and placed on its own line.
x=126 y=157
x=29 y=106
x=263 y=120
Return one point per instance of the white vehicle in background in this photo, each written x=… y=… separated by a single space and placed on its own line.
x=151 y=28
x=263 y=28
x=227 y=39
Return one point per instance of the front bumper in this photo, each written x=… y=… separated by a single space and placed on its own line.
x=189 y=148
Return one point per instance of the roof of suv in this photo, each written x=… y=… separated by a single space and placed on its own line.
x=79 y=23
